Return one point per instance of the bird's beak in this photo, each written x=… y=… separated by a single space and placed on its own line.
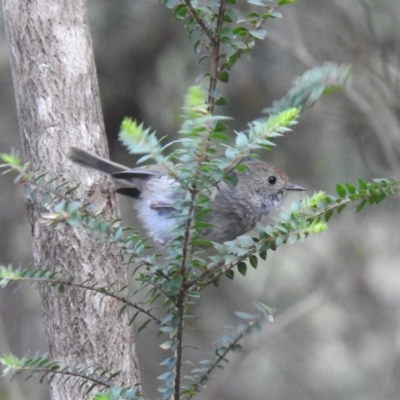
x=295 y=188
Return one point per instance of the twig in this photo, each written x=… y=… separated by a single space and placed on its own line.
x=281 y=321
x=160 y=289
x=99 y=290
x=220 y=358
x=68 y=373
x=248 y=35
x=203 y=26
x=214 y=56
x=186 y=252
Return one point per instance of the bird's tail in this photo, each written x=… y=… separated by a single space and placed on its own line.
x=92 y=161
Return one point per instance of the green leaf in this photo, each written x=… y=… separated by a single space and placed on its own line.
x=259 y=33
x=328 y=215
x=226 y=34
x=231 y=179
x=263 y=308
x=283 y=2
x=144 y=325
x=180 y=11
x=230 y=274
x=256 y=2
x=341 y=191
x=253 y=261
x=244 y=315
x=137 y=139
x=118 y=233
x=191 y=392
x=275 y=14
x=242 y=268
x=292 y=238
x=104 y=396
x=166 y=376
x=216 y=93
x=220 y=127
x=221 y=102
x=363 y=185
x=237 y=348
x=170 y=3
x=223 y=76
x=221 y=350
x=230 y=15
x=242 y=141
x=166 y=345
x=219 y=137
x=58 y=208
x=361 y=205
x=169 y=362
x=279 y=240
x=240 y=31
x=133 y=318
x=350 y=188
x=197 y=46
x=122 y=309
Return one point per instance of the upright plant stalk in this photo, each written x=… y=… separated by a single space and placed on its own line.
x=214 y=56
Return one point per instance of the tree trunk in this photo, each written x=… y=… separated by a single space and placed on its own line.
x=58 y=106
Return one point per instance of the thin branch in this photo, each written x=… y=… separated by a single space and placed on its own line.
x=214 y=56
x=221 y=269
x=179 y=347
x=68 y=373
x=186 y=253
x=46 y=188
x=281 y=321
x=100 y=290
x=220 y=358
x=248 y=36
x=121 y=299
x=203 y=26
x=14 y=390
x=160 y=289
x=345 y=202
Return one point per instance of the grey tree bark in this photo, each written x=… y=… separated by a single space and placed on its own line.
x=58 y=106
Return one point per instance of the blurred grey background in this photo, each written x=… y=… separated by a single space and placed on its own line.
x=336 y=331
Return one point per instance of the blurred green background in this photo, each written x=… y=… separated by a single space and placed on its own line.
x=336 y=332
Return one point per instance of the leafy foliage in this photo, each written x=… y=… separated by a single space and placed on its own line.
x=310 y=86
x=186 y=271
x=227 y=344
x=41 y=365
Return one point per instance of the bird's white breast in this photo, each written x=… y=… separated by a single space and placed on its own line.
x=155 y=208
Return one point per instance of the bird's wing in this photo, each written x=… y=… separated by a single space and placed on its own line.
x=137 y=178
x=129 y=192
x=137 y=173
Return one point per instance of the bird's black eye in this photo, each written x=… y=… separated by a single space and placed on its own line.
x=272 y=180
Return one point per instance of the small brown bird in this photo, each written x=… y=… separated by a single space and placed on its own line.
x=234 y=211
